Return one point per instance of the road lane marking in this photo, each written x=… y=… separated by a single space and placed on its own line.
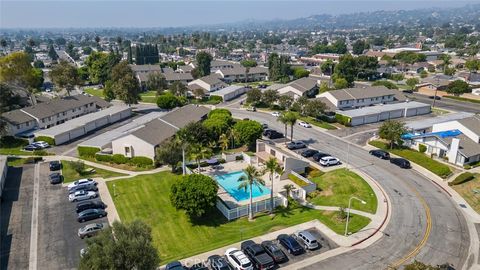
x=422 y=243
x=32 y=264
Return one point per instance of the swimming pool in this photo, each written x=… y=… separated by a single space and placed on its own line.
x=230 y=183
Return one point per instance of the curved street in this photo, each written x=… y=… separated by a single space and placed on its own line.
x=425 y=224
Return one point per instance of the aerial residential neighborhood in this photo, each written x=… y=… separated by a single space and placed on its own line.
x=257 y=135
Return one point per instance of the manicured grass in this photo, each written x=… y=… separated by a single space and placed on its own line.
x=94 y=92
x=421 y=159
x=149 y=99
x=466 y=191
x=438 y=111
x=337 y=186
x=318 y=123
x=16 y=162
x=70 y=175
x=146 y=197
x=463 y=99
x=127 y=167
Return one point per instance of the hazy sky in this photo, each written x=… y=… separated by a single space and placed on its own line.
x=109 y=13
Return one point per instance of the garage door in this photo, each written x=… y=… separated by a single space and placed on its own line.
x=384 y=116
x=411 y=112
x=101 y=122
x=356 y=121
x=371 y=118
x=115 y=117
x=76 y=133
x=90 y=126
x=396 y=114
x=62 y=138
x=423 y=110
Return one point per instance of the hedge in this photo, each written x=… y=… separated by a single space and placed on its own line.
x=141 y=161
x=86 y=151
x=342 y=119
x=47 y=139
x=119 y=159
x=12 y=142
x=422 y=148
x=102 y=157
x=462 y=178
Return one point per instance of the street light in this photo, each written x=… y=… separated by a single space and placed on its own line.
x=114 y=191
x=348 y=210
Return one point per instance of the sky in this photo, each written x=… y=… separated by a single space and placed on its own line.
x=110 y=13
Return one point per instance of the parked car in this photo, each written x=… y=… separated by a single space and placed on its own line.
x=304 y=124
x=319 y=155
x=31 y=147
x=238 y=259
x=434 y=97
x=90 y=187
x=55 y=165
x=55 y=178
x=217 y=262
x=81 y=206
x=276 y=114
x=309 y=153
x=264 y=126
x=401 y=162
x=309 y=241
x=252 y=109
x=408 y=91
x=329 y=161
x=176 y=265
x=90 y=214
x=290 y=244
x=258 y=256
x=82 y=195
x=41 y=144
x=274 y=251
x=296 y=145
x=275 y=135
x=91 y=229
x=198 y=266
x=82 y=182
x=380 y=154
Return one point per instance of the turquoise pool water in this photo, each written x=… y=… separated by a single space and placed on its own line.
x=230 y=183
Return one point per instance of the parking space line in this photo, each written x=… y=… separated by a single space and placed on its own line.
x=32 y=264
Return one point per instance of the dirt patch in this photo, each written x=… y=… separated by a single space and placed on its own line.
x=326 y=192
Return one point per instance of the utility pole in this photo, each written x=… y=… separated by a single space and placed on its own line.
x=436 y=89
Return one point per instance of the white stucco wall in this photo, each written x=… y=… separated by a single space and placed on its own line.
x=138 y=147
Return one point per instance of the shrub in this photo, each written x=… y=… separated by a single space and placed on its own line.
x=40 y=153
x=342 y=119
x=86 y=151
x=297 y=180
x=31 y=160
x=119 y=159
x=213 y=100
x=102 y=157
x=46 y=139
x=168 y=101
x=221 y=160
x=141 y=161
x=462 y=178
x=12 y=142
x=78 y=166
x=422 y=148
x=239 y=157
x=219 y=111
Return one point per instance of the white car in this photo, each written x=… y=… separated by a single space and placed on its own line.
x=238 y=259
x=82 y=195
x=276 y=114
x=304 y=124
x=41 y=144
x=82 y=182
x=329 y=161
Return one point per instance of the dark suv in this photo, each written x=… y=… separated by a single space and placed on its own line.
x=90 y=205
x=290 y=244
x=55 y=165
x=401 y=162
x=380 y=154
x=257 y=255
x=319 y=155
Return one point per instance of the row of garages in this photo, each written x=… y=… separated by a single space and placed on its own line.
x=84 y=124
x=385 y=112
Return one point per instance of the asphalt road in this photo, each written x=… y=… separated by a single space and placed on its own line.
x=410 y=234
x=446 y=103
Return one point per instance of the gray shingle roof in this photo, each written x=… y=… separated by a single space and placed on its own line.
x=304 y=84
x=211 y=79
x=359 y=93
x=145 y=68
x=16 y=117
x=175 y=76
x=467 y=146
x=155 y=132
x=472 y=123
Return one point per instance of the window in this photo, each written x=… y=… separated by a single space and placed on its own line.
x=43 y=120
x=127 y=150
x=27 y=124
x=73 y=110
x=18 y=126
x=49 y=118
x=64 y=113
x=272 y=152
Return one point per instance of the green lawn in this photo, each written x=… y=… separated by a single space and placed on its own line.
x=463 y=99
x=149 y=99
x=421 y=159
x=317 y=122
x=336 y=187
x=466 y=191
x=146 y=197
x=70 y=175
x=94 y=92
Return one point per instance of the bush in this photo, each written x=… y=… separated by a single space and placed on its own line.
x=221 y=160
x=119 y=159
x=86 y=151
x=168 y=101
x=297 y=180
x=46 y=139
x=40 y=153
x=104 y=158
x=78 y=166
x=342 y=119
x=31 y=160
x=219 y=111
x=462 y=178
x=141 y=161
x=213 y=100
x=12 y=142
x=237 y=158
x=422 y=148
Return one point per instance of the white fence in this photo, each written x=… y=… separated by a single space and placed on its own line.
x=241 y=211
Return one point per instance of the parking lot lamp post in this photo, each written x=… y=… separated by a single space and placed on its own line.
x=348 y=211
x=114 y=191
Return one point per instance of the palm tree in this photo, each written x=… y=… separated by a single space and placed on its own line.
x=247 y=181
x=282 y=119
x=224 y=141
x=288 y=189
x=198 y=152
x=233 y=135
x=446 y=61
x=291 y=120
x=272 y=167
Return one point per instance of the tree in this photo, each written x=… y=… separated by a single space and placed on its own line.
x=194 y=133
x=254 y=96
x=412 y=82
x=248 y=131
x=3 y=43
x=224 y=141
x=269 y=97
x=248 y=63
x=423 y=74
x=124 y=246
x=291 y=119
x=397 y=77
x=340 y=83
x=97 y=39
x=285 y=101
x=392 y=131
x=78 y=166
x=156 y=82
x=359 y=46
x=38 y=64
x=247 y=181
x=387 y=84
x=65 y=76
x=472 y=65
x=458 y=87
x=272 y=167
x=167 y=101
x=447 y=60
x=284 y=120
x=204 y=61
x=366 y=67
x=199 y=92
x=288 y=189
x=87 y=50
x=125 y=84
x=327 y=67
x=314 y=108
x=178 y=89
x=416 y=265
x=198 y=152
x=196 y=194
x=52 y=53
x=169 y=152
x=278 y=67
x=346 y=68
x=100 y=66
x=300 y=73
x=217 y=125
x=108 y=92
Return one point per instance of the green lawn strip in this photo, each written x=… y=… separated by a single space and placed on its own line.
x=16 y=162
x=149 y=99
x=94 y=92
x=126 y=167
x=146 y=198
x=338 y=186
x=421 y=159
x=70 y=175
x=318 y=123
x=463 y=99
x=466 y=190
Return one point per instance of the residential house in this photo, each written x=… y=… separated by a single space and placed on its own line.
x=241 y=74
x=172 y=77
x=208 y=83
x=303 y=87
x=438 y=82
x=352 y=98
